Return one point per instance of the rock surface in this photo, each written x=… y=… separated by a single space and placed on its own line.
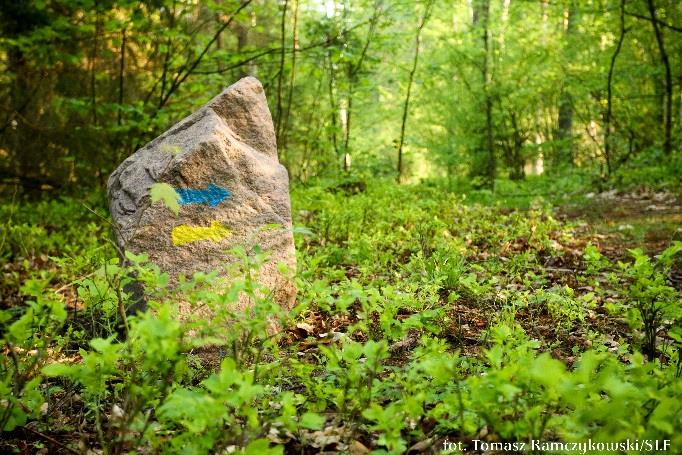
x=222 y=163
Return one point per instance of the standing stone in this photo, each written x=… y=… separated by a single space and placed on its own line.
x=222 y=163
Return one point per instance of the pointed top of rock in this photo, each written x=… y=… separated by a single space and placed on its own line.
x=244 y=108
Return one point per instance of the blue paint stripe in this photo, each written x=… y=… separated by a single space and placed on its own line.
x=212 y=195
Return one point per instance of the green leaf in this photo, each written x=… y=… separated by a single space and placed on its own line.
x=312 y=421
x=302 y=230
x=166 y=193
x=100 y=344
x=262 y=447
x=56 y=369
x=137 y=259
x=194 y=409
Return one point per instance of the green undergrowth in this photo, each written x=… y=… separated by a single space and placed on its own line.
x=423 y=315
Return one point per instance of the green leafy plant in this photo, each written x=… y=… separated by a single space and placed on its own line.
x=652 y=302
x=26 y=339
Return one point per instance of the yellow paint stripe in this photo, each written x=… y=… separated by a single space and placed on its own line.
x=184 y=234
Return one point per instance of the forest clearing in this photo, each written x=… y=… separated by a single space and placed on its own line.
x=307 y=226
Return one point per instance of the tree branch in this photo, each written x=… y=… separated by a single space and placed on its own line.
x=180 y=78
x=658 y=21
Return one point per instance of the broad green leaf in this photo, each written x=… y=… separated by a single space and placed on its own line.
x=166 y=193
x=312 y=421
x=56 y=369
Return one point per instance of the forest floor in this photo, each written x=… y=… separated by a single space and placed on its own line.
x=537 y=256
x=647 y=219
x=613 y=221
x=617 y=222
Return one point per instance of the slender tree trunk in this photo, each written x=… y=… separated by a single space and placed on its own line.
x=219 y=43
x=491 y=164
x=241 y=32
x=343 y=109
x=280 y=76
x=679 y=101
x=166 y=59
x=565 y=118
x=22 y=102
x=310 y=119
x=346 y=131
x=518 y=139
x=609 y=90
x=93 y=67
x=410 y=80
x=164 y=73
x=667 y=142
x=485 y=162
x=332 y=106
x=565 y=129
x=292 y=78
x=353 y=71
x=121 y=70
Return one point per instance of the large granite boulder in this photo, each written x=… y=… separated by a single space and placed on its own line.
x=230 y=190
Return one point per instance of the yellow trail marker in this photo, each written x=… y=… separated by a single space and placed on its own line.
x=184 y=234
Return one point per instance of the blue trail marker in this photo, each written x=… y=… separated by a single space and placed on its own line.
x=212 y=195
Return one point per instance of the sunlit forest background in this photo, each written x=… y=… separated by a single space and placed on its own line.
x=477 y=89
x=487 y=213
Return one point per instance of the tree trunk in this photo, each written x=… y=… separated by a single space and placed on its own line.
x=292 y=78
x=280 y=76
x=485 y=165
x=609 y=91
x=415 y=60
x=93 y=66
x=353 y=70
x=667 y=141
x=565 y=129
x=241 y=32
x=333 y=108
x=121 y=71
x=565 y=119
